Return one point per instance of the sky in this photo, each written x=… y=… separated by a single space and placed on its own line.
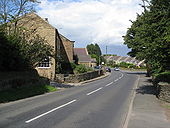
x=92 y=21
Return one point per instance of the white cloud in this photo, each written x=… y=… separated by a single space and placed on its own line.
x=87 y=21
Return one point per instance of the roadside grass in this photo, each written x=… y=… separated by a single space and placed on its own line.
x=24 y=92
x=167 y=106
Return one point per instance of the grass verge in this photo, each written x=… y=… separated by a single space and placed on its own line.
x=24 y=92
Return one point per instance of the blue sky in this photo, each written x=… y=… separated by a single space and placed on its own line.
x=92 y=21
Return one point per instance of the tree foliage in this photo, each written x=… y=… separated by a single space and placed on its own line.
x=20 y=49
x=149 y=36
x=95 y=52
x=12 y=10
x=94 y=49
x=19 y=53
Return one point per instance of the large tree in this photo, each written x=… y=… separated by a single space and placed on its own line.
x=94 y=49
x=95 y=52
x=11 y=10
x=149 y=35
x=20 y=49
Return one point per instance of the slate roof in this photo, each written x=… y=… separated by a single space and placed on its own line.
x=82 y=54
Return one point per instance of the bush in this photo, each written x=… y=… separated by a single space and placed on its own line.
x=126 y=65
x=73 y=65
x=81 y=68
x=162 y=77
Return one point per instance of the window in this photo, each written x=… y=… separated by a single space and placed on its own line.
x=45 y=63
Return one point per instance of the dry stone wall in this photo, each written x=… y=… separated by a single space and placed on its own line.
x=164 y=91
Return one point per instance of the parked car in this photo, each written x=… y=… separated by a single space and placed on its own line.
x=116 y=69
x=97 y=67
x=108 y=69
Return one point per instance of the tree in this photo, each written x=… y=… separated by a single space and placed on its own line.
x=94 y=49
x=19 y=47
x=95 y=52
x=149 y=35
x=12 y=10
x=25 y=54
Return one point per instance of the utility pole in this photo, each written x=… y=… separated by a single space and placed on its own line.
x=106 y=49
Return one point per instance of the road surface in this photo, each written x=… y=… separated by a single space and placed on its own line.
x=99 y=104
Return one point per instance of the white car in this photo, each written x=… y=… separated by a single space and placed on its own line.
x=116 y=69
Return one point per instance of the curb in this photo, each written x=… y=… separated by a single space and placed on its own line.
x=127 y=118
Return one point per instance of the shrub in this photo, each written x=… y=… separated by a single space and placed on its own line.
x=73 y=65
x=162 y=77
x=80 y=68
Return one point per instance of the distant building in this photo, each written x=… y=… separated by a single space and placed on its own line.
x=119 y=59
x=83 y=57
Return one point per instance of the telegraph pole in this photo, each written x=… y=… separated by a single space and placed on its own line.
x=106 y=49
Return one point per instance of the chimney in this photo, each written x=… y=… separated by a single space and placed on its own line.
x=46 y=19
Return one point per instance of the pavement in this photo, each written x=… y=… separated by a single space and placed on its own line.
x=146 y=111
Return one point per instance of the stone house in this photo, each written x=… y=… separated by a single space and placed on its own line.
x=63 y=48
x=83 y=57
x=67 y=53
x=93 y=62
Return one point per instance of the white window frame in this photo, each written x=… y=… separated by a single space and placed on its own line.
x=44 y=64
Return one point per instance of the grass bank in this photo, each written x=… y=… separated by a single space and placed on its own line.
x=24 y=92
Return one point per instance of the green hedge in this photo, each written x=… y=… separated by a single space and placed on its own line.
x=162 y=77
x=82 y=69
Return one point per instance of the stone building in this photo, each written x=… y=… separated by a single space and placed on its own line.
x=67 y=54
x=83 y=57
x=63 y=48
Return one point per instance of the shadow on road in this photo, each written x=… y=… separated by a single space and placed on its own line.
x=136 y=73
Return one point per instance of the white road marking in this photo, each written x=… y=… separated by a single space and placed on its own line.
x=119 y=77
x=28 y=121
x=94 y=91
x=108 y=84
x=116 y=80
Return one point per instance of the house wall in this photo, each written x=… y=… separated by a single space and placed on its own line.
x=87 y=64
x=93 y=64
x=37 y=25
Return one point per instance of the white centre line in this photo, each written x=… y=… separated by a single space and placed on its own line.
x=108 y=84
x=116 y=80
x=119 y=77
x=28 y=121
x=94 y=91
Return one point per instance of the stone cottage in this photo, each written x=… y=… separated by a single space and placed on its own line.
x=63 y=47
x=83 y=57
x=67 y=53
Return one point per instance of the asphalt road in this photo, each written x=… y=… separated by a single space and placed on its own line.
x=99 y=104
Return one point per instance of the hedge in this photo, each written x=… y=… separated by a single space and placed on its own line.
x=162 y=77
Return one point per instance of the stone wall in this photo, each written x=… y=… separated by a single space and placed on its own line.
x=10 y=80
x=75 y=78
x=163 y=91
